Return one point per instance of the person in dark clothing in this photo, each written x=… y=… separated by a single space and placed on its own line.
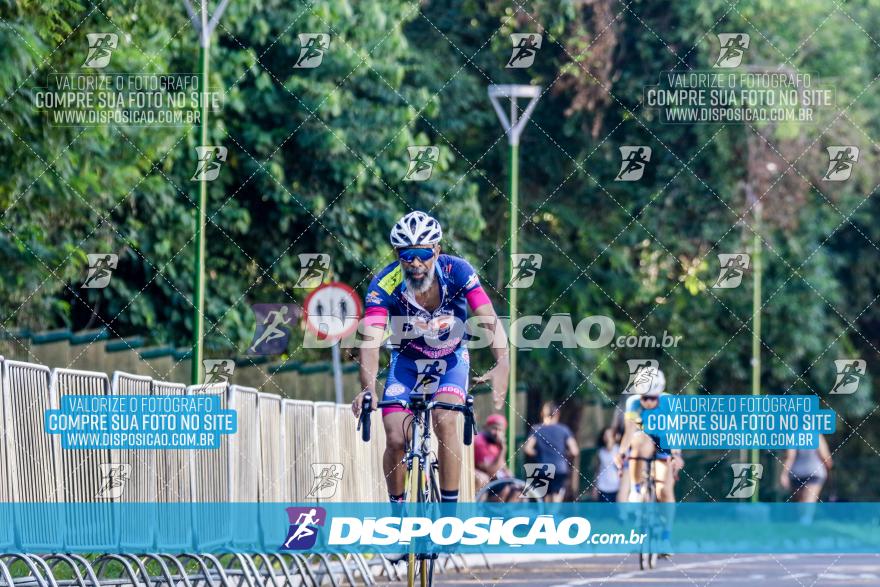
x=552 y=443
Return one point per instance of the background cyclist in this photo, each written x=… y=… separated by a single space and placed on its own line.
x=636 y=443
x=427 y=296
x=649 y=386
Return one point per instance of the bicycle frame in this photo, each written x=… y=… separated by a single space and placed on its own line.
x=419 y=447
x=420 y=477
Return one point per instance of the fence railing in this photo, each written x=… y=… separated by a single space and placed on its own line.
x=274 y=456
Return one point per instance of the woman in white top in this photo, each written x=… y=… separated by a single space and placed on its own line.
x=607 y=480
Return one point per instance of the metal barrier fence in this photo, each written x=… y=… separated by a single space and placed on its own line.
x=140 y=466
x=173 y=481
x=279 y=448
x=33 y=458
x=299 y=420
x=212 y=476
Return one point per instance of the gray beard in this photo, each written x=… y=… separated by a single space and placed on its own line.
x=419 y=286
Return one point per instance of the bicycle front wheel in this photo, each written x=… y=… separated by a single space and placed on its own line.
x=648 y=554
x=423 y=488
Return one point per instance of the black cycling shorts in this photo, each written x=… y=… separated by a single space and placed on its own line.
x=661 y=454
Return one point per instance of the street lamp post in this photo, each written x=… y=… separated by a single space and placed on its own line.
x=205 y=28
x=513 y=126
x=755 y=163
x=757 y=270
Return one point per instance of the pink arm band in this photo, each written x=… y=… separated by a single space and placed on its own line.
x=477 y=297
x=376 y=316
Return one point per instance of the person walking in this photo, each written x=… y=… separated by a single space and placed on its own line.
x=606 y=483
x=552 y=443
x=804 y=474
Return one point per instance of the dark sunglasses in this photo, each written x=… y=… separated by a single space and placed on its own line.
x=652 y=398
x=410 y=255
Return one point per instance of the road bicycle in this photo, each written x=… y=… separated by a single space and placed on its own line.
x=422 y=484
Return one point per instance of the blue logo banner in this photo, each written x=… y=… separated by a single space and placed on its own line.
x=465 y=528
x=729 y=422
x=140 y=422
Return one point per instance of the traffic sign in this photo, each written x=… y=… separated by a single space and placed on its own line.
x=332 y=311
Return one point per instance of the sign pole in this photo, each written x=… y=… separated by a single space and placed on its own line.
x=337 y=372
x=205 y=29
x=512 y=295
x=201 y=203
x=757 y=272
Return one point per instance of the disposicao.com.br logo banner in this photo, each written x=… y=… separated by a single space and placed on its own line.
x=463 y=528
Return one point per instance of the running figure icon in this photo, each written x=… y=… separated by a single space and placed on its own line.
x=274 y=330
x=314 y=48
x=732 y=272
x=635 y=161
x=304 y=530
x=526 y=269
x=525 y=50
x=732 y=51
x=841 y=162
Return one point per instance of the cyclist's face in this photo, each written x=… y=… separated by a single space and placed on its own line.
x=417 y=262
x=649 y=403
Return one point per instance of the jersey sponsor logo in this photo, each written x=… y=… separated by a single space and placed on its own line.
x=373 y=297
x=429 y=351
x=433 y=326
x=394 y=390
x=390 y=282
x=473 y=280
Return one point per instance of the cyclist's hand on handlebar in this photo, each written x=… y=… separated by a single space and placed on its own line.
x=358 y=402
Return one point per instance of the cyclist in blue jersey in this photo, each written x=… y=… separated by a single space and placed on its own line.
x=649 y=386
x=637 y=445
x=427 y=297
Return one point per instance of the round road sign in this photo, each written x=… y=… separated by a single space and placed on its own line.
x=332 y=311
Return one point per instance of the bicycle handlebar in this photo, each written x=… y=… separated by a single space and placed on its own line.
x=467 y=408
x=364 y=420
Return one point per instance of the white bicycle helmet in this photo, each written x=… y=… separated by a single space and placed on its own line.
x=415 y=229
x=649 y=381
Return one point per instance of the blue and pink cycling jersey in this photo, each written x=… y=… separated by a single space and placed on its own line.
x=633 y=413
x=427 y=350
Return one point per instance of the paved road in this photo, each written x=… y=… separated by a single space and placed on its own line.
x=688 y=570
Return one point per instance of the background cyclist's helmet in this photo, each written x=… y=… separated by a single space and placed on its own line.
x=416 y=229
x=649 y=381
